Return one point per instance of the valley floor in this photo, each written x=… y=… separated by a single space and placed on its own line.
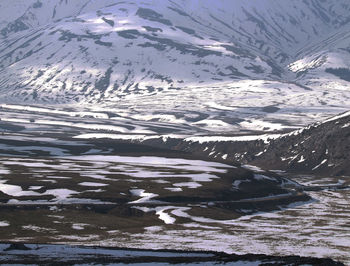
x=57 y=189
x=316 y=229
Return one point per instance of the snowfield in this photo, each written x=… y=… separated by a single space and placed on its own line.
x=152 y=124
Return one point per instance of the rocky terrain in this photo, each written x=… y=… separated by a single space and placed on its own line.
x=75 y=182
x=321 y=148
x=175 y=124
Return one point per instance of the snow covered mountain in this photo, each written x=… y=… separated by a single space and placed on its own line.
x=85 y=51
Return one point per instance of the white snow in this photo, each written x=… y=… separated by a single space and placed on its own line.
x=302 y=159
x=4 y=171
x=35 y=187
x=114 y=136
x=92 y=184
x=145 y=197
x=61 y=194
x=165 y=216
x=4 y=223
x=79 y=226
x=13 y=190
x=173 y=189
x=337 y=117
x=52 y=111
x=252 y=167
x=187 y=184
x=321 y=163
x=204 y=139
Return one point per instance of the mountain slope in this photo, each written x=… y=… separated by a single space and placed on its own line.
x=321 y=148
x=98 y=51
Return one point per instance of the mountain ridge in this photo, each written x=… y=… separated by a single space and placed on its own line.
x=222 y=44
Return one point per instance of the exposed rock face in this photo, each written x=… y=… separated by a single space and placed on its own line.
x=322 y=148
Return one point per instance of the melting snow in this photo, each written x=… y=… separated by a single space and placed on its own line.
x=13 y=190
x=145 y=197
x=173 y=189
x=4 y=223
x=252 y=167
x=188 y=184
x=317 y=166
x=204 y=139
x=164 y=216
x=4 y=172
x=92 y=184
x=302 y=159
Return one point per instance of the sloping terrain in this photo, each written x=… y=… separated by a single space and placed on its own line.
x=176 y=123
x=101 y=51
x=321 y=148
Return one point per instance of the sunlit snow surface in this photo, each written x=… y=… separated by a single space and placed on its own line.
x=226 y=55
x=89 y=167
x=235 y=107
x=319 y=228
